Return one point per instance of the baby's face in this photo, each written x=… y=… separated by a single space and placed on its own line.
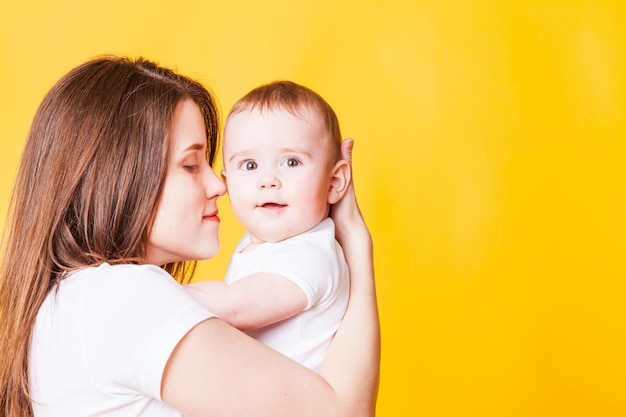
x=277 y=172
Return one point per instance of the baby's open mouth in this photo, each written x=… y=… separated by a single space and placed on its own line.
x=272 y=205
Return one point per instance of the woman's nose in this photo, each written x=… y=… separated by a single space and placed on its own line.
x=215 y=187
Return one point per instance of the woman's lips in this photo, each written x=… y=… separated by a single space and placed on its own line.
x=211 y=217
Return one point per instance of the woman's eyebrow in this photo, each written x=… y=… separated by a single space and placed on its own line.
x=194 y=147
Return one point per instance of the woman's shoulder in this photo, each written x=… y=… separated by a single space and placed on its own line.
x=121 y=270
x=119 y=277
x=144 y=289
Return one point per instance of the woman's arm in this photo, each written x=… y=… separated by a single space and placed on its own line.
x=356 y=344
x=218 y=371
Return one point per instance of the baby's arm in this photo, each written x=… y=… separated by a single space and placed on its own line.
x=252 y=302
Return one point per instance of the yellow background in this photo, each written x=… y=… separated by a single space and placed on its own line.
x=489 y=164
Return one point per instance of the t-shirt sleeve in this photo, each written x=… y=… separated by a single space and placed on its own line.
x=311 y=268
x=132 y=319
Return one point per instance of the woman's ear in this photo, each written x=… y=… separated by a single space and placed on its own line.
x=339 y=180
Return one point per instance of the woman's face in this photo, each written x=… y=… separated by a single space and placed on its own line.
x=186 y=223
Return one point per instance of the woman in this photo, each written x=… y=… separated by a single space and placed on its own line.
x=115 y=180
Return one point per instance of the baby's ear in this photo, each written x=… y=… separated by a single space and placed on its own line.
x=223 y=174
x=339 y=180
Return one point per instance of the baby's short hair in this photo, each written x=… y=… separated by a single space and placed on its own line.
x=293 y=98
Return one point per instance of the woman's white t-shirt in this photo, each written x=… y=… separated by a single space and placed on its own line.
x=102 y=339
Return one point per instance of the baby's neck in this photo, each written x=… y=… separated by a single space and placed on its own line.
x=251 y=246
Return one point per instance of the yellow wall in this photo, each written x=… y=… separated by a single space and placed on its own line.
x=489 y=162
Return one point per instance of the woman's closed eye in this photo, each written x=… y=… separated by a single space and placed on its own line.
x=191 y=167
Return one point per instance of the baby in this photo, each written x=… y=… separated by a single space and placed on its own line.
x=287 y=282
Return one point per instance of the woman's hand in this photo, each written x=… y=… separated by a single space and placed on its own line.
x=351 y=231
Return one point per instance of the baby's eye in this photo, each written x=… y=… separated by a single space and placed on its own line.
x=248 y=165
x=291 y=162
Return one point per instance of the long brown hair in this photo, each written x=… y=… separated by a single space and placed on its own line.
x=87 y=188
